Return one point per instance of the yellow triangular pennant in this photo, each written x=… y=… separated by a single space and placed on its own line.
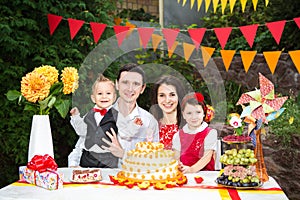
x=215 y=5
x=192 y=3
x=223 y=3
x=171 y=51
x=243 y=2
x=199 y=4
x=231 y=3
x=295 y=56
x=188 y=50
x=207 y=52
x=254 y=2
x=227 y=56
x=267 y=2
x=272 y=59
x=207 y=4
x=184 y=2
x=247 y=58
x=156 y=40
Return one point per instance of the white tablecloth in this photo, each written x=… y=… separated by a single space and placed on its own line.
x=206 y=190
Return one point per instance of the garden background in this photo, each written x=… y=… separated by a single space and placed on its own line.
x=26 y=43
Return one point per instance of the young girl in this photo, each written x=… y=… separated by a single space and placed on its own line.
x=195 y=144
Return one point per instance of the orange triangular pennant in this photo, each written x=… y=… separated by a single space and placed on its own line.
x=297 y=21
x=97 y=30
x=254 y=2
x=272 y=58
x=295 y=56
x=171 y=51
x=170 y=35
x=74 y=26
x=231 y=3
x=247 y=58
x=249 y=33
x=207 y=52
x=215 y=5
x=192 y=3
x=207 y=4
x=243 y=3
x=188 y=50
x=223 y=4
x=197 y=35
x=121 y=33
x=267 y=2
x=53 y=22
x=227 y=56
x=184 y=2
x=199 y=4
x=156 y=40
x=223 y=35
x=145 y=35
x=276 y=28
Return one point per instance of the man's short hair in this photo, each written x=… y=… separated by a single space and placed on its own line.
x=132 y=67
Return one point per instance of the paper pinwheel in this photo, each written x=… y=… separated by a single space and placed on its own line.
x=263 y=104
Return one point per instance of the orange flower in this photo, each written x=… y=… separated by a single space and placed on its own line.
x=69 y=77
x=51 y=73
x=35 y=87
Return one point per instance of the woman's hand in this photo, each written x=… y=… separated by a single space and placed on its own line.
x=184 y=169
x=114 y=146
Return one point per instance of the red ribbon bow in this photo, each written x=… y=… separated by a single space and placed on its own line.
x=42 y=163
x=101 y=111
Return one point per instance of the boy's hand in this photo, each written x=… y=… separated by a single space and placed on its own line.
x=74 y=111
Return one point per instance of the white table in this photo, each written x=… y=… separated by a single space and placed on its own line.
x=208 y=189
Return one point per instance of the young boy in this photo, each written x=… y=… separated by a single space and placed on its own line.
x=92 y=127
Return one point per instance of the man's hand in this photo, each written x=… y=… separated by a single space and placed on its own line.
x=114 y=146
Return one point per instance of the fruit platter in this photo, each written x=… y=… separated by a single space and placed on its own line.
x=236 y=139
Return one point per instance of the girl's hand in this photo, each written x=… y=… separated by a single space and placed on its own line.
x=114 y=146
x=183 y=168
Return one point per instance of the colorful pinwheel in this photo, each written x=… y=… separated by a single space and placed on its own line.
x=262 y=102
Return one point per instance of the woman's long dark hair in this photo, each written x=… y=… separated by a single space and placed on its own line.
x=180 y=90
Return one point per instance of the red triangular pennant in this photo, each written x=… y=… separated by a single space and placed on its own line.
x=276 y=28
x=170 y=35
x=121 y=32
x=145 y=35
x=97 y=30
x=223 y=35
x=197 y=35
x=74 y=26
x=53 y=21
x=249 y=33
x=297 y=21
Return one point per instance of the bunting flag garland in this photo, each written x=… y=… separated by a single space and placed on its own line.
x=197 y=35
x=207 y=52
x=145 y=35
x=297 y=21
x=272 y=58
x=188 y=50
x=223 y=4
x=267 y=2
x=75 y=26
x=97 y=30
x=243 y=3
x=276 y=28
x=295 y=55
x=207 y=4
x=223 y=35
x=199 y=4
x=170 y=36
x=227 y=56
x=172 y=49
x=53 y=22
x=215 y=5
x=249 y=33
x=192 y=3
x=183 y=3
x=254 y=2
x=156 y=39
x=121 y=33
x=231 y=3
x=247 y=58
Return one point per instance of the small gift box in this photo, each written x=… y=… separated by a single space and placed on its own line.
x=41 y=171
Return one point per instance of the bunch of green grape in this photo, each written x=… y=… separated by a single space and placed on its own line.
x=248 y=181
x=238 y=157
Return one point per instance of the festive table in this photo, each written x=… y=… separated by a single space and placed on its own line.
x=106 y=190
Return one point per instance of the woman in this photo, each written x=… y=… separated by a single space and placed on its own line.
x=167 y=94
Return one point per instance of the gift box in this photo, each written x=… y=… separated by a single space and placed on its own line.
x=40 y=173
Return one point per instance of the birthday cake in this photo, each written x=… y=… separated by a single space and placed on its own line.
x=149 y=161
x=86 y=175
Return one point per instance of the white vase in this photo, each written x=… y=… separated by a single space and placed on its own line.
x=40 y=142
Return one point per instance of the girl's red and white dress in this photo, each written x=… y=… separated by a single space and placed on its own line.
x=193 y=143
x=166 y=133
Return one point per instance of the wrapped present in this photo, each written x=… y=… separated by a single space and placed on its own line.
x=41 y=171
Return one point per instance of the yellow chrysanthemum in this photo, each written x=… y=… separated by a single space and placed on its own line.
x=69 y=77
x=35 y=87
x=51 y=73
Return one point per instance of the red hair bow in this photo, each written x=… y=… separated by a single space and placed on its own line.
x=199 y=97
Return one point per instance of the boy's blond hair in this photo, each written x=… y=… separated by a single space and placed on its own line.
x=102 y=78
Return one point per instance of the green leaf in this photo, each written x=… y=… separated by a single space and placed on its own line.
x=51 y=102
x=56 y=88
x=62 y=107
x=12 y=95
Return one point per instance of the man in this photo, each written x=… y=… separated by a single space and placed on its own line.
x=134 y=123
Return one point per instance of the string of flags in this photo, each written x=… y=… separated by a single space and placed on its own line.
x=215 y=4
x=196 y=35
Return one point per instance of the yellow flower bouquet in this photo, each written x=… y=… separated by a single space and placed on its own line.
x=41 y=90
